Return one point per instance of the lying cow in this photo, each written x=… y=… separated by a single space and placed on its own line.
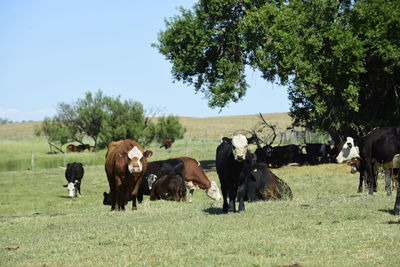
x=126 y=163
x=261 y=184
x=169 y=187
x=74 y=174
x=232 y=155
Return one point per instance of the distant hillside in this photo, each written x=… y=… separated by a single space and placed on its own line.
x=196 y=127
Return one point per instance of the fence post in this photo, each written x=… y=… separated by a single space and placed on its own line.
x=187 y=149
x=32 y=161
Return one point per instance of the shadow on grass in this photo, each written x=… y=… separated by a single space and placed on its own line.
x=214 y=211
x=390 y=211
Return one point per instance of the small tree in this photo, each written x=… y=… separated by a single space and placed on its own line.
x=169 y=127
x=56 y=133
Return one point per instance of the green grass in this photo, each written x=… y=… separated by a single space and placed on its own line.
x=326 y=224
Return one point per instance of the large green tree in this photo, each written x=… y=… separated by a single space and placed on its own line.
x=338 y=59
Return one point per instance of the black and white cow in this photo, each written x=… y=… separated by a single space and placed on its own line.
x=380 y=147
x=231 y=157
x=74 y=174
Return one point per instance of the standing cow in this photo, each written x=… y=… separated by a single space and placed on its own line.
x=380 y=147
x=232 y=155
x=126 y=163
x=74 y=174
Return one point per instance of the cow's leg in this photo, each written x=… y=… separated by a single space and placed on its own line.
x=120 y=201
x=242 y=193
x=232 y=192
x=134 y=193
x=371 y=178
x=387 y=182
x=225 y=196
x=360 y=185
x=397 y=203
x=191 y=190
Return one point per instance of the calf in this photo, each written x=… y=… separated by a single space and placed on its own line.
x=74 y=174
x=261 y=184
x=231 y=157
x=358 y=165
x=169 y=186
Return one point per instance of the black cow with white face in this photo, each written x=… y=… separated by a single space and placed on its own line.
x=232 y=156
x=74 y=174
x=380 y=147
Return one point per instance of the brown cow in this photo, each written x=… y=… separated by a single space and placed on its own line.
x=126 y=162
x=167 y=143
x=196 y=178
x=74 y=148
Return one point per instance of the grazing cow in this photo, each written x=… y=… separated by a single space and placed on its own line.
x=196 y=178
x=74 y=174
x=231 y=157
x=261 y=184
x=167 y=143
x=380 y=147
x=169 y=186
x=74 y=148
x=126 y=163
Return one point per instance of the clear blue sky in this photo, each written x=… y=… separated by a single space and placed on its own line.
x=55 y=51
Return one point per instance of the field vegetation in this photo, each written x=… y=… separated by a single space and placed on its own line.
x=326 y=224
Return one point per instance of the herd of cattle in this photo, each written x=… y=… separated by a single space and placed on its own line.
x=243 y=176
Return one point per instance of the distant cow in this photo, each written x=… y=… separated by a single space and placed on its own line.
x=279 y=155
x=74 y=148
x=126 y=163
x=167 y=143
x=74 y=174
x=169 y=187
x=196 y=178
x=261 y=184
x=231 y=157
x=318 y=153
x=380 y=147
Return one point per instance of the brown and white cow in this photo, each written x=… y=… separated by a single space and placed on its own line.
x=126 y=162
x=196 y=178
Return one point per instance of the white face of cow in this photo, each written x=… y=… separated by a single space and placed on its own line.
x=349 y=151
x=239 y=143
x=213 y=191
x=71 y=189
x=135 y=165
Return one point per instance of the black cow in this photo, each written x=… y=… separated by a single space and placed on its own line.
x=280 y=155
x=318 y=153
x=74 y=174
x=261 y=184
x=380 y=147
x=231 y=157
x=169 y=186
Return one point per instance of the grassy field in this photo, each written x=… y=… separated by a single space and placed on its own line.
x=326 y=224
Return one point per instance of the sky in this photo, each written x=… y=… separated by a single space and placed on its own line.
x=54 y=52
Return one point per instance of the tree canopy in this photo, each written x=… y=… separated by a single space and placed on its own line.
x=105 y=119
x=338 y=59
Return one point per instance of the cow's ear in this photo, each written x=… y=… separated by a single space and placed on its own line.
x=68 y=164
x=226 y=140
x=148 y=153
